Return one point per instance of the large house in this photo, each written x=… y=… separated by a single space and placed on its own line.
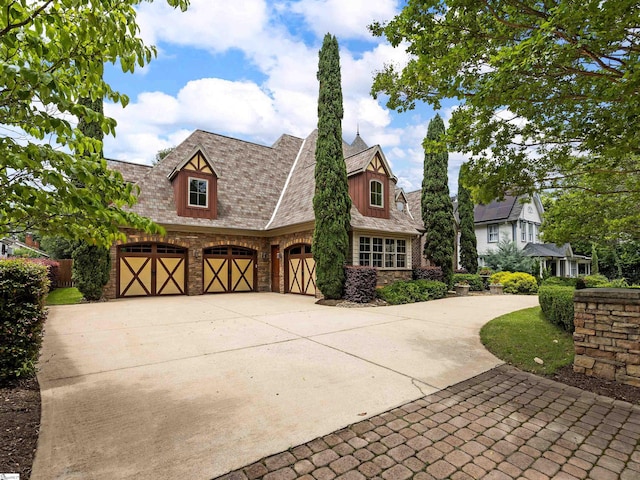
x=239 y=217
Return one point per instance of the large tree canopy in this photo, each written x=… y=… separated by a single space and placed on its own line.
x=52 y=54
x=548 y=89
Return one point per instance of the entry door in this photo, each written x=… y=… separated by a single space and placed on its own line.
x=301 y=269
x=229 y=269
x=275 y=268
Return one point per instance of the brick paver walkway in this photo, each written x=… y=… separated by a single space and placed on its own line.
x=503 y=424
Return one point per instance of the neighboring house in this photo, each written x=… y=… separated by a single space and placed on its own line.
x=518 y=219
x=509 y=218
x=559 y=260
x=8 y=247
x=239 y=217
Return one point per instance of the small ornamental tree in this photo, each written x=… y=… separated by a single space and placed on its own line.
x=331 y=201
x=437 y=209
x=468 y=241
x=90 y=270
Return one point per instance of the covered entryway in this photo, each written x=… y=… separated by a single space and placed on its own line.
x=229 y=269
x=301 y=270
x=151 y=269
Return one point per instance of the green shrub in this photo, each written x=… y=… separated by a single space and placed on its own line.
x=428 y=273
x=23 y=289
x=90 y=270
x=595 y=281
x=413 y=291
x=561 y=281
x=360 y=284
x=498 y=277
x=520 y=283
x=474 y=281
x=557 y=305
x=618 y=283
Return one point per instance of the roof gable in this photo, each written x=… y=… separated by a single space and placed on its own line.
x=371 y=159
x=198 y=161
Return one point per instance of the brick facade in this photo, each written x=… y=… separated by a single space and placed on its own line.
x=607 y=334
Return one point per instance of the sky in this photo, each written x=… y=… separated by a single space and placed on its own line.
x=247 y=69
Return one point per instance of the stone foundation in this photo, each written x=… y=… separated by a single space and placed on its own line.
x=387 y=277
x=607 y=334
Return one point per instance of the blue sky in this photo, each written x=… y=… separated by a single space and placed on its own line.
x=247 y=69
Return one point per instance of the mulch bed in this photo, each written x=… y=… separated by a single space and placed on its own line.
x=619 y=391
x=19 y=426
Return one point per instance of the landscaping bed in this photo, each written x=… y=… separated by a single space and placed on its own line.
x=19 y=426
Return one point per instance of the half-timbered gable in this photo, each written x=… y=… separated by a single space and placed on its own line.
x=195 y=186
x=370 y=183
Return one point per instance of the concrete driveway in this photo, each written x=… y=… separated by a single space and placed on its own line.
x=193 y=387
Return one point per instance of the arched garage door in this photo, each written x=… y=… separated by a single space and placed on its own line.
x=301 y=270
x=151 y=269
x=229 y=269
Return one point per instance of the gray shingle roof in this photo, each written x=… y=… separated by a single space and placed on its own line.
x=131 y=172
x=547 y=250
x=259 y=187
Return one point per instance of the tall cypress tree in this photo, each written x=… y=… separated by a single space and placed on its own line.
x=331 y=201
x=437 y=209
x=468 y=241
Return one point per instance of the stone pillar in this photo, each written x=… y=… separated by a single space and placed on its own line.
x=607 y=334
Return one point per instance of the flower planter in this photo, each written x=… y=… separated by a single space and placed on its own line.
x=462 y=290
x=496 y=289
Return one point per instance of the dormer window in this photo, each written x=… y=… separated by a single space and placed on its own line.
x=376 y=193
x=198 y=192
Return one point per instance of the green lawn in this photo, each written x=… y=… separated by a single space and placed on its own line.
x=64 y=296
x=519 y=337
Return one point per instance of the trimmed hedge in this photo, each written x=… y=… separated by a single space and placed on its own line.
x=412 y=291
x=90 y=270
x=561 y=281
x=516 y=282
x=53 y=269
x=595 y=281
x=360 y=284
x=428 y=273
x=23 y=288
x=556 y=303
x=475 y=281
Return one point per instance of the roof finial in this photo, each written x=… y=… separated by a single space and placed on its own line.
x=358 y=129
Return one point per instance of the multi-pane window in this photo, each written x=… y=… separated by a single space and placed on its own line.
x=523 y=230
x=531 y=232
x=198 y=192
x=365 y=252
x=377 y=252
x=375 y=188
x=382 y=252
x=492 y=231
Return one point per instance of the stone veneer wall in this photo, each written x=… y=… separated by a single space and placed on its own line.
x=607 y=334
x=387 y=277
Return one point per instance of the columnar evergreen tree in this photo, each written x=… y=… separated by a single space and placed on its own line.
x=91 y=263
x=595 y=268
x=468 y=241
x=437 y=209
x=331 y=201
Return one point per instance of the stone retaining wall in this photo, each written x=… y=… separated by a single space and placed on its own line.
x=607 y=334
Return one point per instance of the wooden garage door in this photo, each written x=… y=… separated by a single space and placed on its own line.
x=301 y=269
x=229 y=269
x=151 y=269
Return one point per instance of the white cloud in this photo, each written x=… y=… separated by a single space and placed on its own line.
x=345 y=19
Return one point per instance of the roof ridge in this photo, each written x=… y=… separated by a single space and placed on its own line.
x=242 y=140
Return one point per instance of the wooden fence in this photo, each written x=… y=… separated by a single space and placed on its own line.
x=64 y=273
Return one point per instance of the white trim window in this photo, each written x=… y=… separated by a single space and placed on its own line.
x=382 y=252
x=531 y=233
x=376 y=193
x=198 y=192
x=523 y=231
x=493 y=233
